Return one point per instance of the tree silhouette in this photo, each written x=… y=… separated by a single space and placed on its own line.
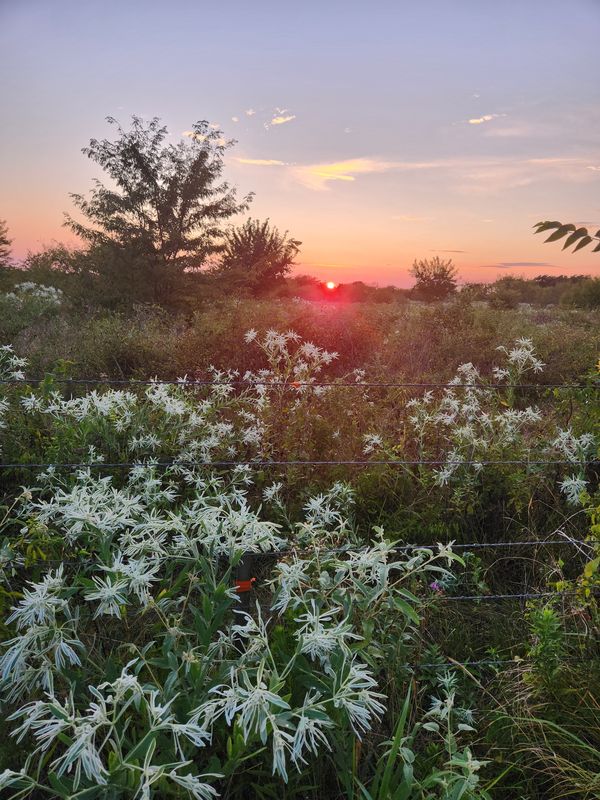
x=163 y=210
x=435 y=278
x=255 y=255
x=5 y=244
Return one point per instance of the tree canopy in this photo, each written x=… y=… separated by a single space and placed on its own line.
x=435 y=278
x=5 y=244
x=165 y=206
x=255 y=255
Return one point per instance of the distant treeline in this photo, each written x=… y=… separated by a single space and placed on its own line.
x=161 y=232
x=507 y=292
x=198 y=288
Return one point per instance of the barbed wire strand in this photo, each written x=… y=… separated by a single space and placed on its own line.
x=341 y=550
x=491 y=662
x=517 y=596
x=292 y=463
x=298 y=384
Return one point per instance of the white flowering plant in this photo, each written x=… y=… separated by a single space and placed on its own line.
x=27 y=304
x=132 y=665
x=28 y=290
x=128 y=666
x=480 y=426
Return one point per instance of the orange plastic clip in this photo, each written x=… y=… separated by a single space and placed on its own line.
x=244 y=586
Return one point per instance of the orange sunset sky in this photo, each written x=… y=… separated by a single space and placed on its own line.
x=375 y=133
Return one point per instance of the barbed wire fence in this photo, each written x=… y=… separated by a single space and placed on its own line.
x=294 y=385
x=244 y=578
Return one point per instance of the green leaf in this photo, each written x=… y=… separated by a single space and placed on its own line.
x=591 y=567
x=364 y=791
x=407 y=610
x=562 y=231
x=583 y=243
x=87 y=794
x=143 y=746
x=391 y=761
x=546 y=226
x=408 y=595
x=62 y=788
x=431 y=726
x=574 y=236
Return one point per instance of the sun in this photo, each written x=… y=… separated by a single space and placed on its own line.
x=330 y=285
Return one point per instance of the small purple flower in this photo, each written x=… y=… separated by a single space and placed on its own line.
x=436 y=586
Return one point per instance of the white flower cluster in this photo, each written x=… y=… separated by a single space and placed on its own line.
x=521 y=358
x=148 y=558
x=476 y=423
x=11 y=369
x=577 y=450
x=46 y=642
x=573 y=486
x=193 y=429
x=291 y=361
x=47 y=295
x=140 y=550
x=330 y=510
x=11 y=366
x=372 y=443
x=95 y=732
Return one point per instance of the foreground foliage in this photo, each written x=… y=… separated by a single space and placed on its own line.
x=133 y=667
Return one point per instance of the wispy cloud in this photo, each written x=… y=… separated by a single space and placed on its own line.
x=318 y=176
x=249 y=112
x=261 y=162
x=281 y=119
x=485 y=118
x=468 y=175
x=512 y=264
x=495 y=175
x=235 y=119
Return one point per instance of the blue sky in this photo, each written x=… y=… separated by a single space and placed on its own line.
x=375 y=132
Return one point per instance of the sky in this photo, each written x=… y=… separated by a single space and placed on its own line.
x=375 y=132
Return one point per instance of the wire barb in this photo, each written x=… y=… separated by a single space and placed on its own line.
x=299 y=384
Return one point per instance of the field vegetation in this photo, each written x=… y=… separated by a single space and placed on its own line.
x=261 y=538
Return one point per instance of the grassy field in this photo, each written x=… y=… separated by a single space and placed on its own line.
x=423 y=623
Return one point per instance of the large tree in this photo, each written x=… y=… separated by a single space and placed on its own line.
x=5 y=244
x=163 y=211
x=256 y=255
x=435 y=278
